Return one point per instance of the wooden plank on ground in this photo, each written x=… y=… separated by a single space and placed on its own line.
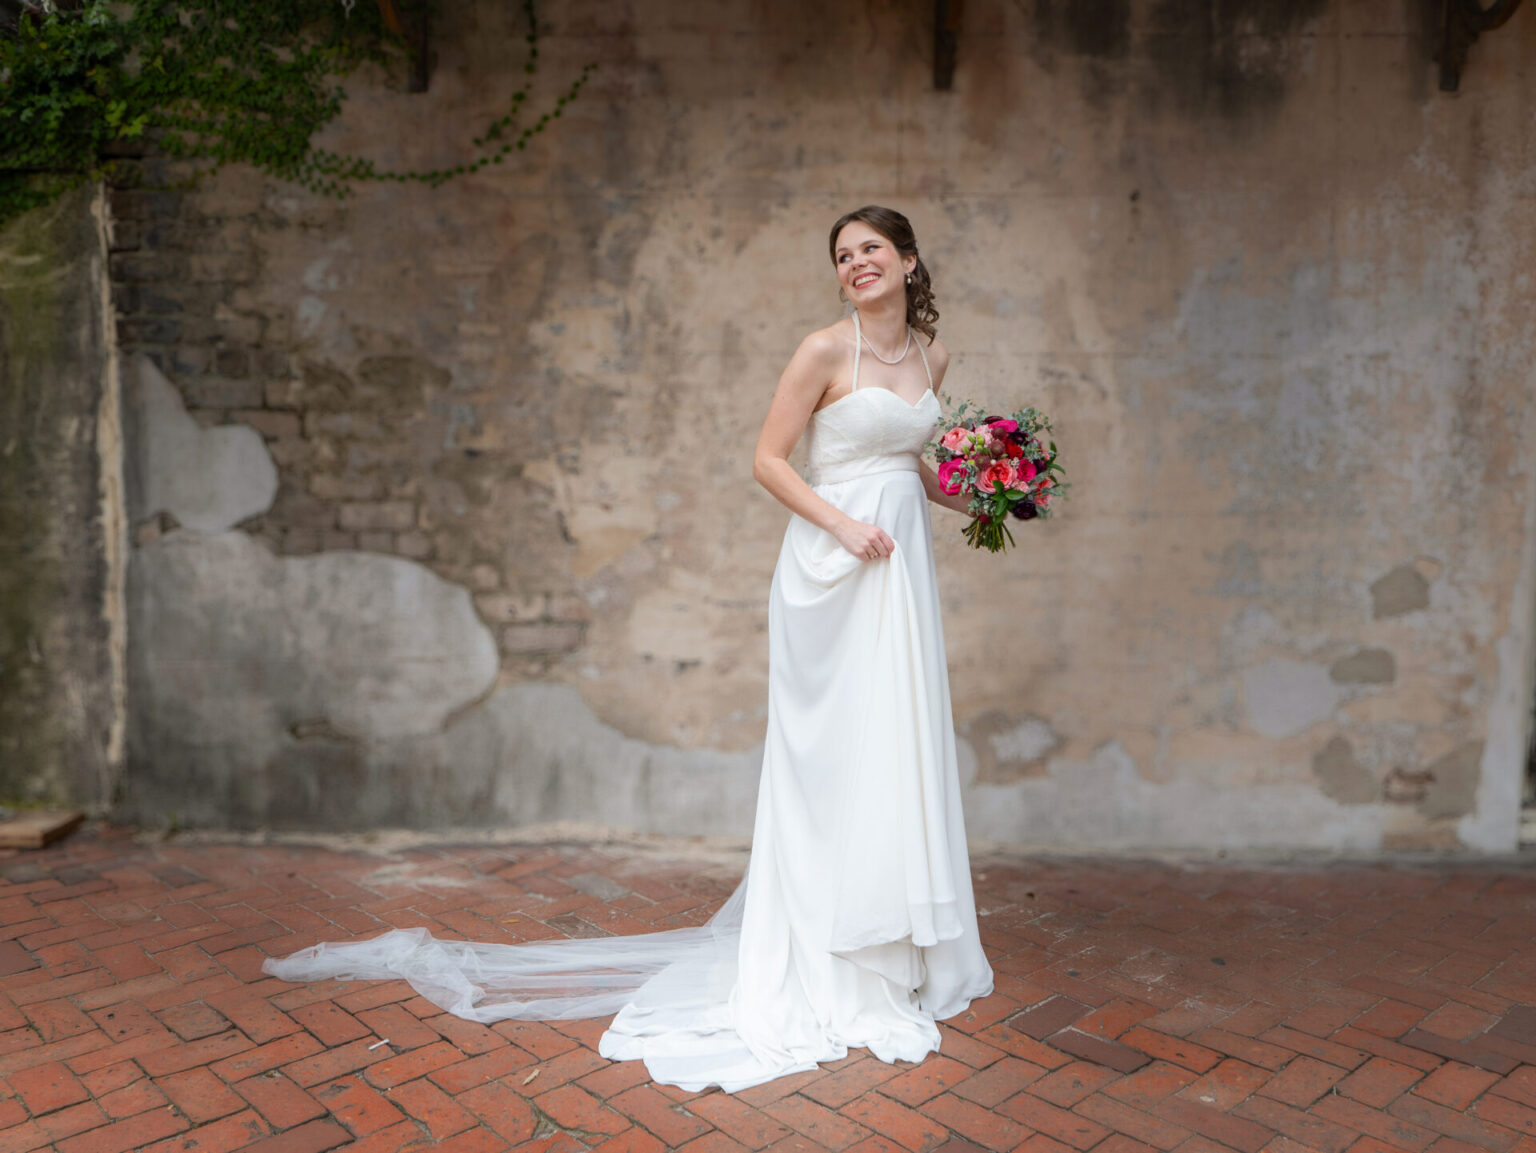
x=34 y=830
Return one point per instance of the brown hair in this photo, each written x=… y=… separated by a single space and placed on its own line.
x=921 y=314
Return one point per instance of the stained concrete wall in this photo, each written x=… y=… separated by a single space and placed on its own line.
x=509 y=565
x=62 y=537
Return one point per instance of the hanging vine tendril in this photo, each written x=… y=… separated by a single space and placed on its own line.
x=211 y=81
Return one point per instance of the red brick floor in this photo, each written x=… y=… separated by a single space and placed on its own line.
x=1140 y=1007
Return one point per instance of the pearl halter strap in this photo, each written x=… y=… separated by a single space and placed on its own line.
x=862 y=339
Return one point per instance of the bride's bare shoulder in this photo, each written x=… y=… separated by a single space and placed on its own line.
x=938 y=357
x=827 y=345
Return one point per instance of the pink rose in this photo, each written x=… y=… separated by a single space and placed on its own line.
x=952 y=476
x=1003 y=427
x=1026 y=469
x=998 y=474
x=955 y=439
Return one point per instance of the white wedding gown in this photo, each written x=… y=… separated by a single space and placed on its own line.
x=855 y=925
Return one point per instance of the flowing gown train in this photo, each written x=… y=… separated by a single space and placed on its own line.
x=855 y=924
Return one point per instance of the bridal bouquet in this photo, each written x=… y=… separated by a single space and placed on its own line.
x=1005 y=464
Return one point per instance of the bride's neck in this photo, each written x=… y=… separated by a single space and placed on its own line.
x=884 y=326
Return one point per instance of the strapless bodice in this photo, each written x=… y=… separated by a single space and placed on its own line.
x=868 y=431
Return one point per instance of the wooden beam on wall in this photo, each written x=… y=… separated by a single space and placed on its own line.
x=946 y=35
x=414 y=31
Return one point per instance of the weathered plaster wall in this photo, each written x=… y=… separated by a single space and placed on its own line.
x=61 y=512
x=1273 y=285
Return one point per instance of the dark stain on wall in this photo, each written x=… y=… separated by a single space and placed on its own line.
x=1099 y=28
x=1227 y=58
x=1096 y=34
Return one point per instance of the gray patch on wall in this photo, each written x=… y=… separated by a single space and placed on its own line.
x=1364 y=667
x=1401 y=591
x=1342 y=778
x=539 y=754
x=377 y=646
x=1284 y=697
x=208 y=479
x=1453 y=782
x=1103 y=803
x=341 y=692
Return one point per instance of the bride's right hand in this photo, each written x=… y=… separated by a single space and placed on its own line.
x=865 y=541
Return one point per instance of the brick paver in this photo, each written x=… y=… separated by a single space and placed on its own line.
x=1315 y=1008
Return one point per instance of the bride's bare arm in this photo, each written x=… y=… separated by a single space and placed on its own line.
x=938 y=495
x=810 y=372
x=938 y=363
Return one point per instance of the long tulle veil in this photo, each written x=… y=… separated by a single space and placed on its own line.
x=543 y=981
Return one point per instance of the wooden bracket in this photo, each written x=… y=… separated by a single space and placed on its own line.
x=1464 y=21
x=414 y=31
x=946 y=34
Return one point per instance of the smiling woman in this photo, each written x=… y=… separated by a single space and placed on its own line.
x=856 y=924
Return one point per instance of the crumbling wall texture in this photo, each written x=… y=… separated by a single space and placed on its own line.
x=61 y=612
x=1273 y=285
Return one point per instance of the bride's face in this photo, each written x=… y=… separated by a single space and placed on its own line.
x=869 y=267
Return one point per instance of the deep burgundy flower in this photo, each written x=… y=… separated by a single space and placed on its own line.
x=1025 y=510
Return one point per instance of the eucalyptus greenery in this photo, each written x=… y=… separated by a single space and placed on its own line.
x=210 y=81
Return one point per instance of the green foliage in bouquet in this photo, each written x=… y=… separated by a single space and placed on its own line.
x=212 y=81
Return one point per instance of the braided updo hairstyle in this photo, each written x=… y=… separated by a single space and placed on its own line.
x=921 y=313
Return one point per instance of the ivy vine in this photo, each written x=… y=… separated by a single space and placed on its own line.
x=212 y=81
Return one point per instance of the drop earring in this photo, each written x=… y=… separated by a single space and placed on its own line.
x=909 y=278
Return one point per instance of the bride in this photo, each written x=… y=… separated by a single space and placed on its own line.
x=855 y=924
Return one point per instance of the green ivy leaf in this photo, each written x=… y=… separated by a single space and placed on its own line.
x=216 y=81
